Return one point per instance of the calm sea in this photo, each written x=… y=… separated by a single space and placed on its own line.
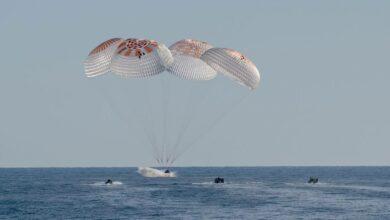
x=248 y=193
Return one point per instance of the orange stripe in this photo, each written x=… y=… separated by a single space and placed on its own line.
x=122 y=44
x=104 y=45
x=148 y=49
x=121 y=50
x=127 y=53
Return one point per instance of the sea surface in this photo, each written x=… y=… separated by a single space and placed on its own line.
x=248 y=193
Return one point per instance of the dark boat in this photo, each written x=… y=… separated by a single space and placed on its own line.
x=219 y=180
x=313 y=180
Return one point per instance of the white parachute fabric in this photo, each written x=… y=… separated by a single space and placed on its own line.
x=234 y=65
x=190 y=68
x=140 y=58
x=99 y=59
x=187 y=63
x=165 y=55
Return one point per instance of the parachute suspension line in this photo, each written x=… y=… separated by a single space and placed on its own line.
x=149 y=120
x=125 y=119
x=165 y=103
x=149 y=132
x=208 y=129
x=182 y=127
x=193 y=113
x=212 y=125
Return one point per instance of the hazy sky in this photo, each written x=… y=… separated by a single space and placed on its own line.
x=323 y=98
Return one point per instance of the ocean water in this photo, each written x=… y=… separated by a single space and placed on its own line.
x=248 y=193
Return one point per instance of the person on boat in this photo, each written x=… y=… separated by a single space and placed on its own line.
x=167 y=171
x=219 y=180
x=109 y=181
x=313 y=180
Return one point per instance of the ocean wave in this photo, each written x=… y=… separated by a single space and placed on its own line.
x=204 y=183
x=342 y=186
x=250 y=184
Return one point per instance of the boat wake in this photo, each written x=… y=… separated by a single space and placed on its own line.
x=114 y=183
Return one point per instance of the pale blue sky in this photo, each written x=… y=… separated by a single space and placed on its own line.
x=323 y=99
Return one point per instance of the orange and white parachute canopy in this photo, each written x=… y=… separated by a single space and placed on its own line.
x=234 y=65
x=128 y=58
x=198 y=60
x=186 y=60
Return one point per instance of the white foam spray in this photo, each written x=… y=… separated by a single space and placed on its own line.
x=114 y=183
x=151 y=172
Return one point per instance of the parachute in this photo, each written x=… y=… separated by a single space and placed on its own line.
x=99 y=59
x=189 y=61
x=234 y=65
x=123 y=57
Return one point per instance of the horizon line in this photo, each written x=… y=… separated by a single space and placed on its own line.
x=197 y=166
